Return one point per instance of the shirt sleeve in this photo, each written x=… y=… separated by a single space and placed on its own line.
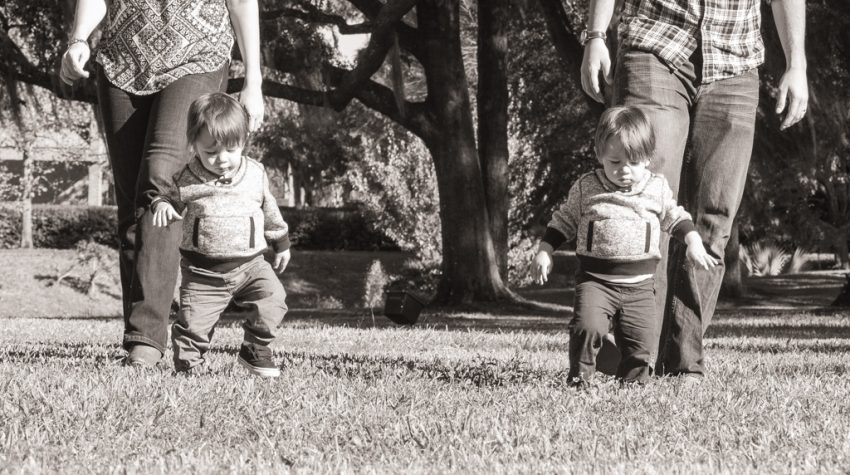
x=674 y=219
x=172 y=196
x=562 y=227
x=276 y=230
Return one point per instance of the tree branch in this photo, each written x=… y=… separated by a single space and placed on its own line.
x=314 y=15
x=382 y=99
x=408 y=36
x=373 y=95
x=16 y=66
x=374 y=54
x=284 y=91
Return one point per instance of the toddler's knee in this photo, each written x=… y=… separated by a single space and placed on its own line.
x=593 y=328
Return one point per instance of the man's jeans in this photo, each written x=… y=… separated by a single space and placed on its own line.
x=146 y=137
x=716 y=121
x=632 y=309
x=204 y=294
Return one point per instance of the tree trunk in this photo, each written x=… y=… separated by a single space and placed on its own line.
x=733 y=283
x=493 y=121
x=469 y=270
x=26 y=197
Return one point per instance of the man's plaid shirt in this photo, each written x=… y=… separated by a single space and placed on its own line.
x=726 y=30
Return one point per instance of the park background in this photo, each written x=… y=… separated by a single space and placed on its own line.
x=421 y=146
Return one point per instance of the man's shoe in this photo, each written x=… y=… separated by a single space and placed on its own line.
x=143 y=356
x=257 y=360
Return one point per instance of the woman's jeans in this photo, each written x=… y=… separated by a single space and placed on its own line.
x=716 y=122
x=146 y=139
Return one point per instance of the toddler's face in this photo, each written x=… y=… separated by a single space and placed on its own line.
x=618 y=168
x=215 y=157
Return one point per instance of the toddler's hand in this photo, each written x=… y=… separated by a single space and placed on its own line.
x=697 y=255
x=281 y=260
x=164 y=214
x=540 y=267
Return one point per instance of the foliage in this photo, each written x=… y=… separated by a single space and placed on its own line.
x=92 y=262
x=11 y=188
x=519 y=261
x=394 y=179
x=309 y=144
x=799 y=186
x=352 y=228
x=551 y=127
x=799 y=261
x=64 y=226
x=373 y=289
x=764 y=259
x=60 y=227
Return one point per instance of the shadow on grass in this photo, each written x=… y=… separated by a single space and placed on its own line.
x=778 y=330
x=478 y=371
x=441 y=320
x=788 y=346
x=78 y=285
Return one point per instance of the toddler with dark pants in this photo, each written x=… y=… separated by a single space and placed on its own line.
x=230 y=219
x=616 y=215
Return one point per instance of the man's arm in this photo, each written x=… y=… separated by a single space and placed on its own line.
x=596 y=56
x=793 y=98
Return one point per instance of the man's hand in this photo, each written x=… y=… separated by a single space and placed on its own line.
x=73 y=62
x=541 y=266
x=697 y=255
x=281 y=260
x=164 y=214
x=596 y=58
x=793 y=97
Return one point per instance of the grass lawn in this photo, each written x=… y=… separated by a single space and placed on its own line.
x=468 y=392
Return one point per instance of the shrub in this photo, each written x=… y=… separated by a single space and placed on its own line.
x=352 y=228
x=395 y=180
x=765 y=258
x=60 y=226
x=93 y=263
x=373 y=289
x=63 y=226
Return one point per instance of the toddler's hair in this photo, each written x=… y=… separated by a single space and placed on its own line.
x=222 y=115
x=632 y=127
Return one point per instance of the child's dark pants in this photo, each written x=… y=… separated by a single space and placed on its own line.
x=632 y=308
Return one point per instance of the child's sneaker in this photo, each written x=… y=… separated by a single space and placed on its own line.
x=257 y=360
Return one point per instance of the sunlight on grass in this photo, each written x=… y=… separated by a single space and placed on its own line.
x=411 y=399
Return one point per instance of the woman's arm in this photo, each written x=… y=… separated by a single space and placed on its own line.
x=245 y=17
x=87 y=16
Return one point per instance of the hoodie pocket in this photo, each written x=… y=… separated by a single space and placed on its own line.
x=618 y=237
x=224 y=235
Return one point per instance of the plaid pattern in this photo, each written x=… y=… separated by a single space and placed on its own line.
x=726 y=30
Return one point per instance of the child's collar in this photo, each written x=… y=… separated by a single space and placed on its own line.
x=200 y=171
x=613 y=187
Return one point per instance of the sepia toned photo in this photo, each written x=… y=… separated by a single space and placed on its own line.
x=424 y=236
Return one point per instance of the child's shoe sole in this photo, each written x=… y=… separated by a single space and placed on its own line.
x=258 y=371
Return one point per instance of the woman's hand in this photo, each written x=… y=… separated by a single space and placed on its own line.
x=74 y=61
x=251 y=98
